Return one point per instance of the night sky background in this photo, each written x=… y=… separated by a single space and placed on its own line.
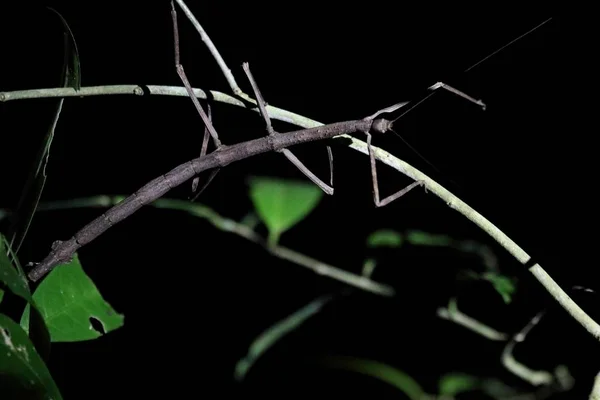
x=194 y=297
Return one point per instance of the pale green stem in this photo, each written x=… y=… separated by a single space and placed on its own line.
x=229 y=225
x=432 y=186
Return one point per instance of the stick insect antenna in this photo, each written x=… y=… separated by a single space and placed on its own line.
x=441 y=85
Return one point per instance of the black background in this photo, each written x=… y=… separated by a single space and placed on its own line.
x=194 y=297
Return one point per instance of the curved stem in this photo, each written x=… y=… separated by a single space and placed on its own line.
x=283 y=115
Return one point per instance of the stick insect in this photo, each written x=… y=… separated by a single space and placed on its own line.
x=223 y=155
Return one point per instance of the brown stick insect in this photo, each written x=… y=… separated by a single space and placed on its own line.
x=62 y=251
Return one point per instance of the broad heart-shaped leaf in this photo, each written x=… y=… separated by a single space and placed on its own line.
x=23 y=374
x=381 y=371
x=455 y=383
x=68 y=299
x=281 y=203
x=276 y=332
x=32 y=191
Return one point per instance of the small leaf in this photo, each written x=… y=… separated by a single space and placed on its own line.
x=428 y=239
x=381 y=371
x=32 y=192
x=71 y=65
x=14 y=279
x=276 y=332
x=10 y=276
x=485 y=253
x=68 y=300
x=281 y=204
x=250 y=220
x=504 y=285
x=384 y=237
x=23 y=373
x=368 y=267
x=455 y=383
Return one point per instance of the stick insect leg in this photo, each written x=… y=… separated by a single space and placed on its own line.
x=203 y=148
x=442 y=85
x=209 y=130
x=214 y=172
x=395 y=196
x=186 y=83
x=289 y=155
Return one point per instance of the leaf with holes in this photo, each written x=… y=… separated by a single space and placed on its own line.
x=281 y=203
x=68 y=301
x=23 y=374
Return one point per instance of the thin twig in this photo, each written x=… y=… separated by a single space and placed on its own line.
x=595 y=394
x=328 y=189
x=533 y=377
x=181 y=72
x=232 y=226
x=283 y=115
x=470 y=323
x=212 y=48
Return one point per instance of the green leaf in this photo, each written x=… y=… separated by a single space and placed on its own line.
x=384 y=237
x=14 y=278
x=455 y=383
x=504 y=285
x=71 y=76
x=68 y=299
x=381 y=371
x=276 y=332
x=281 y=204
x=10 y=276
x=428 y=239
x=30 y=197
x=23 y=374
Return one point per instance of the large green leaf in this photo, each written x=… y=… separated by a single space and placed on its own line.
x=281 y=203
x=269 y=337
x=68 y=300
x=23 y=374
x=378 y=370
x=32 y=191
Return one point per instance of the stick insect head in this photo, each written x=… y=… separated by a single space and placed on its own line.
x=381 y=125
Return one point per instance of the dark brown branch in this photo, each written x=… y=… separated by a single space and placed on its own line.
x=62 y=252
